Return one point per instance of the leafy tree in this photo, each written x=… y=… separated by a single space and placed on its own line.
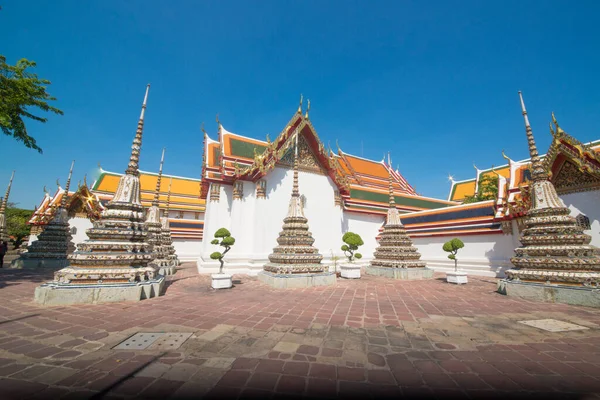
x=452 y=247
x=226 y=241
x=487 y=189
x=20 y=90
x=16 y=224
x=353 y=242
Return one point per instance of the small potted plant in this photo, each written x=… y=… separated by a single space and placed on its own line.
x=222 y=238
x=457 y=276
x=353 y=241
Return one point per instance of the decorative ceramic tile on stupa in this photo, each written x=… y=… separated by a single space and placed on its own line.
x=3 y=230
x=395 y=248
x=554 y=248
x=166 y=258
x=112 y=265
x=295 y=253
x=54 y=243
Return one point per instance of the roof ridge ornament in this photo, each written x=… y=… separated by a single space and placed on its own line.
x=202 y=129
x=134 y=159
x=559 y=130
x=300 y=105
x=538 y=172
x=307 y=108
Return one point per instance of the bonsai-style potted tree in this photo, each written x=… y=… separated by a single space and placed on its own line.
x=457 y=276
x=222 y=238
x=353 y=241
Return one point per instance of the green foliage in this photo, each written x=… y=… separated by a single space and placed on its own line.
x=20 y=91
x=222 y=233
x=226 y=241
x=352 y=239
x=452 y=247
x=358 y=255
x=16 y=223
x=487 y=189
x=353 y=242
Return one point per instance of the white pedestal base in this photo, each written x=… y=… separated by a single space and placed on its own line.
x=350 y=271
x=221 y=281
x=459 y=277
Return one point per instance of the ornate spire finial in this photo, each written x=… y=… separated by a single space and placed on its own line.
x=307 y=108
x=169 y=197
x=506 y=157
x=202 y=128
x=63 y=201
x=300 y=106
x=551 y=130
x=217 y=119
x=538 y=172
x=338 y=147
x=45 y=190
x=134 y=159
x=391 y=189
x=155 y=202
x=5 y=198
x=295 y=191
x=559 y=130
x=85 y=180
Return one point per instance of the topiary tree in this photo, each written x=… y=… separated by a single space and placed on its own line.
x=353 y=242
x=452 y=247
x=226 y=241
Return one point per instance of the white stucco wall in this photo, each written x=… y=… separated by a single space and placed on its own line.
x=256 y=223
x=588 y=204
x=486 y=255
x=186 y=249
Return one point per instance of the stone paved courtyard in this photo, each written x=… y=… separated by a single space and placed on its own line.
x=368 y=338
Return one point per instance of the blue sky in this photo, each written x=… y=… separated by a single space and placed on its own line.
x=433 y=82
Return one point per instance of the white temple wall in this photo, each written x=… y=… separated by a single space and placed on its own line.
x=367 y=226
x=256 y=223
x=485 y=255
x=588 y=204
x=187 y=249
x=79 y=227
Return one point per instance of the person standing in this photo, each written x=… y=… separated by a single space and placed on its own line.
x=3 y=250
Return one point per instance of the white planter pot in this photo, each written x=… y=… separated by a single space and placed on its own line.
x=350 y=271
x=221 y=281
x=459 y=277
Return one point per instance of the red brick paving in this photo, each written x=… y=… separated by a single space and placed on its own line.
x=368 y=338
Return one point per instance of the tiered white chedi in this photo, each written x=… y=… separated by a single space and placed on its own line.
x=53 y=245
x=170 y=262
x=155 y=229
x=295 y=262
x=555 y=262
x=3 y=230
x=156 y=235
x=396 y=257
x=113 y=264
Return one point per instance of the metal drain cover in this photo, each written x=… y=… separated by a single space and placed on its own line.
x=553 y=325
x=170 y=341
x=139 y=341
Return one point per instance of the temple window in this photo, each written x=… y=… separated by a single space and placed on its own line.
x=180 y=214
x=261 y=189
x=583 y=222
x=238 y=190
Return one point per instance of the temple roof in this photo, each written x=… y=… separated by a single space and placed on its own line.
x=362 y=183
x=184 y=191
x=517 y=172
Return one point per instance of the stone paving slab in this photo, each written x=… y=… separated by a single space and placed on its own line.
x=367 y=338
